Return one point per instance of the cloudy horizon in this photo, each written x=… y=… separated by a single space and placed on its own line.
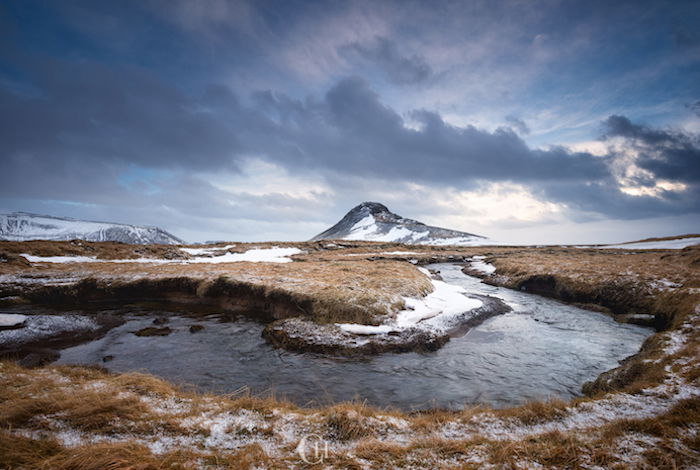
x=526 y=122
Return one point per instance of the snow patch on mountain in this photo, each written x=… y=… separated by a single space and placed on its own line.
x=22 y=226
x=375 y=222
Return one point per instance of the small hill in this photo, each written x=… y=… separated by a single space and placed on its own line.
x=375 y=222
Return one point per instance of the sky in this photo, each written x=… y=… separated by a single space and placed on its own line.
x=523 y=121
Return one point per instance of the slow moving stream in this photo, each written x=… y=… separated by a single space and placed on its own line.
x=543 y=348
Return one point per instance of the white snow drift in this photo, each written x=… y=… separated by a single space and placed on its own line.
x=8 y=320
x=433 y=312
x=255 y=255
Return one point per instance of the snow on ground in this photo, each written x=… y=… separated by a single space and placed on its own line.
x=215 y=427
x=461 y=241
x=383 y=253
x=256 y=255
x=478 y=264
x=358 y=329
x=676 y=244
x=45 y=326
x=11 y=319
x=208 y=424
x=664 y=284
x=60 y=259
x=434 y=311
x=206 y=251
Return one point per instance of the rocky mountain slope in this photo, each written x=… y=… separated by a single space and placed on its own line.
x=375 y=222
x=21 y=226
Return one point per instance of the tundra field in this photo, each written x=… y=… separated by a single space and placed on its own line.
x=643 y=414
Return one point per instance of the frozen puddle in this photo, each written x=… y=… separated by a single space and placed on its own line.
x=541 y=349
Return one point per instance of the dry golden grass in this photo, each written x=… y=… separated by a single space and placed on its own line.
x=535 y=412
x=343 y=290
x=123 y=413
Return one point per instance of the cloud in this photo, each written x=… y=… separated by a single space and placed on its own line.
x=351 y=130
x=665 y=154
x=383 y=53
x=695 y=107
x=91 y=112
x=89 y=124
x=518 y=124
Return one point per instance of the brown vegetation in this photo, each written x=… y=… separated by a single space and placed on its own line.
x=643 y=414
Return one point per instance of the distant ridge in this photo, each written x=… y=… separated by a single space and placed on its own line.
x=22 y=226
x=375 y=222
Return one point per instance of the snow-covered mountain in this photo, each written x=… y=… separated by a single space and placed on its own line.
x=20 y=226
x=373 y=221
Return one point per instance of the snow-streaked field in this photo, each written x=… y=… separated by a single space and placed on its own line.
x=676 y=244
x=216 y=256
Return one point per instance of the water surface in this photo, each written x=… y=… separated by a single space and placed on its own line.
x=542 y=349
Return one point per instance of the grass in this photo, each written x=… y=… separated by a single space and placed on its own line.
x=346 y=290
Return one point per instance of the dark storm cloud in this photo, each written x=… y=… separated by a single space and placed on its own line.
x=351 y=130
x=383 y=53
x=92 y=111
x=87 y=123
x=667 y=154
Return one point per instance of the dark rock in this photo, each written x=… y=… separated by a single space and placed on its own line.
x=160 y=321
x=107 y=358
x=196 y=328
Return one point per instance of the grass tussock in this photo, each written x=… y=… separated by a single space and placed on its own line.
x=345 y=423
x=22 y=452
x=110 y=457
